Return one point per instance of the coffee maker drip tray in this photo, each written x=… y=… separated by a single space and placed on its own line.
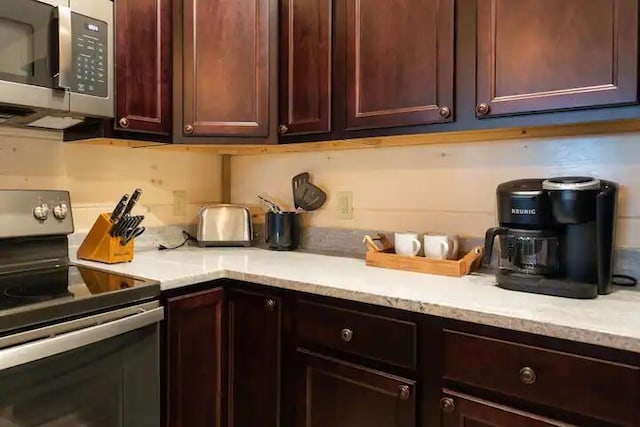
x=542 y=285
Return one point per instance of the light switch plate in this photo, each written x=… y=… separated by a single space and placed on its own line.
x=345 y=204
x=179 y=203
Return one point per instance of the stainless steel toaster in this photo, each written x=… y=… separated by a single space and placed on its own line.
x=225 y=225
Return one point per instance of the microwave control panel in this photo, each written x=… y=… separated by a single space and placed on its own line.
x=89 y=62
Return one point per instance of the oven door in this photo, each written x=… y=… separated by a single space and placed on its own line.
x=105 y=375
x=30 y=56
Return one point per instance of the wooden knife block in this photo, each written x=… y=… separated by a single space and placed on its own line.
x=101 y=246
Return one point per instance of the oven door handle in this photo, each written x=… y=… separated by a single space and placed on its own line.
x=62 y=76
x=39 y=349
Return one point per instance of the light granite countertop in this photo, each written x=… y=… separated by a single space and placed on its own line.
x=611 y=320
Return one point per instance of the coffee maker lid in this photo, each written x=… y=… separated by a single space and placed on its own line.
x=522 y=187
x=576 y=183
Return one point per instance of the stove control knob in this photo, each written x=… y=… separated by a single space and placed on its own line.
x=60 y=211
x=41 y=212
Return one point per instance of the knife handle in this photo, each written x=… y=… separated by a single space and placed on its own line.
x=135 y=222
x=121 y=226
x=117 y=211
x=132 y=201
x=140 y=219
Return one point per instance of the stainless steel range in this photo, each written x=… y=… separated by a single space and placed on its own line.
x=78 y=346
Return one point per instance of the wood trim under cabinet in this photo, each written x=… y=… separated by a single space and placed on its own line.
x=485 y=135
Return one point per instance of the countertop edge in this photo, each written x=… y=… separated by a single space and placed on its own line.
x=587 y=336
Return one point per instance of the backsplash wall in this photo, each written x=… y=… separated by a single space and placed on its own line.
x=449 y=187
x=97 y=176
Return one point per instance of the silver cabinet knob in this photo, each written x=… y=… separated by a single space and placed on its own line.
x=60 y=211
x=123 y=122
x=269 y=304
x=404 y=392
x=447 y=405
x=444 y=112
x=41 y=212
x=283 y=129
x=346 y=335
x=483 y=109
x=527 y=375
x=188 y=129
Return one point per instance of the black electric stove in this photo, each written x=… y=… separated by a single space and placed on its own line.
x=48 y=295
x=38 y=284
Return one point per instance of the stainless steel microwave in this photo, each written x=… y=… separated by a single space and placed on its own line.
x=56 y=61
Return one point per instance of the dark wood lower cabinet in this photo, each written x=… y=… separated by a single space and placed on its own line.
x=254 y=360
x=194 y=329
x=339 y=394
x=464 y=411
x=582 y=385
x=242 y=356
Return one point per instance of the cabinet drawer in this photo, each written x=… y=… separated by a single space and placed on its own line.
x=375 y=337
x=596 y=388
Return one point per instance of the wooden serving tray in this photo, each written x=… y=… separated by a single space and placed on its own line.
x=384 y=256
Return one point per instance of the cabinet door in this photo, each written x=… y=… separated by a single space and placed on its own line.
x=338 y=394
x=464 y=411
x=305 y=66
x=254 y=360
x=225 y=68
x=540 y=55
x=143 y=65
x=399 y=62
x=194 y=327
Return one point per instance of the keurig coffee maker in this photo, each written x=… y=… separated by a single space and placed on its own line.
x=556 y=236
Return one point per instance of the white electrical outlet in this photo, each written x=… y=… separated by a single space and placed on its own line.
x=179 y=203
x=345 y=204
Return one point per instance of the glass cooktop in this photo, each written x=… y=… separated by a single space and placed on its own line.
x=52 y=294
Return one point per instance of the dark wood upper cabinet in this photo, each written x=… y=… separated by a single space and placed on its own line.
x=464 y=411
x=541 y=55
x=225 y=68
x=305 y=66
x=195 y=359
x=399 y=62
x=143 y=65
x=254 y=360
x=334 y=393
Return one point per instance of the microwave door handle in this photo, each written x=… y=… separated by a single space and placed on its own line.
x=39 y=349
x=62 y=77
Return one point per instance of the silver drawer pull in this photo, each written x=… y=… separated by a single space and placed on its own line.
x=346 y=335
x=527 y=376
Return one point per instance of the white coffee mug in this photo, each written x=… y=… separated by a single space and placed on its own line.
x=407 y=244
x=440 y=246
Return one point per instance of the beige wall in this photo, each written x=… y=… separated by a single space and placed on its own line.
x=447 y=188
x=97 y=176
